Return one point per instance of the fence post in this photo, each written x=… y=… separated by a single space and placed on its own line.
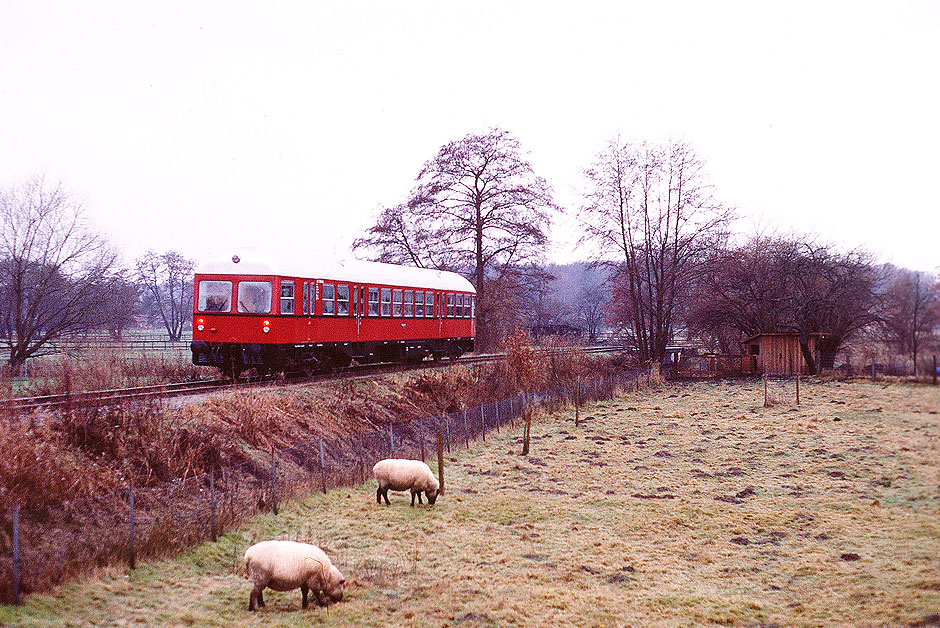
x=466 y=432
x=212 y=504
x=483 y=421
x=274 y=480
x=132 y=558
x=322 y=467
x=391 y=441
x=16 y=554
x=421 y=438
x=797 y=389
x=765 y=390
x=440 y=464
x=577 y=402
x=935 y=371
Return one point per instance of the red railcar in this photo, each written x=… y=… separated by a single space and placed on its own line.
x=323 y=315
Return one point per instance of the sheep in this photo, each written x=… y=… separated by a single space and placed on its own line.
x=286 y=565
x=402 y=475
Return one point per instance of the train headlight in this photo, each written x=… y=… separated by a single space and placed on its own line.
x=200 y=324
x=267 y=327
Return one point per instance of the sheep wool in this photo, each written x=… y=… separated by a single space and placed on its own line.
x=287 y=565
x=403 y=475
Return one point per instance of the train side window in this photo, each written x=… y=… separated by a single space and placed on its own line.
x=254 y=297
x=373 y=301
x=419 y=303
x=429 y=305
x=306 y=297
x=215 y=296
x=459 y=306
x=287 y=297
x=409 y=303
x=342 y=300
x=329 y=296
x=450 y=304
x=473 y=306
x=396 y=302
x=386 y=301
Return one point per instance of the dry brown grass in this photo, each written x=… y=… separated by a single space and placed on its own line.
x=680 y=506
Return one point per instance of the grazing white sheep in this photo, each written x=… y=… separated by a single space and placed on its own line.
x=286 y=565
x=403 y=475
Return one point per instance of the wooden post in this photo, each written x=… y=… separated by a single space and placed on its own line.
x=132 y=556
x=274 y=481
x=466 y=431
x=16 y=554
x=212 y=505
x=322 y=467
x=577 y=402
x=440 y=463
x=391 y=441
x=935 y=372
x=797 y=389
x=421 y=439
x=483 y=420
x=765 y=390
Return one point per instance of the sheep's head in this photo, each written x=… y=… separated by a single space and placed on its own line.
x=334 y=585
x=431 y=494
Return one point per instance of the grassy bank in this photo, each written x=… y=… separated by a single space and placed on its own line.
x=693 y=505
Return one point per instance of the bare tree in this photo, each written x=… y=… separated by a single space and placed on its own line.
x=167 y=279
x=592 y=302
x=785 y=284
x=477 y=208
x=54 y=268
x=911 y=310
x=650 y=213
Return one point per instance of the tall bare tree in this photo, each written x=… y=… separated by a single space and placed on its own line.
x=650 y=212
x=477 y=208
x=167 y=279
x=911 y=310
x=54 y=268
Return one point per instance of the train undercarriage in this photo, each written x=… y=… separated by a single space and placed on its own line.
x=233 y=359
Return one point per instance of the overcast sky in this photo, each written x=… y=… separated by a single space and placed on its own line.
x=205 y=126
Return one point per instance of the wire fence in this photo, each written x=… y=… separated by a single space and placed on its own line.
x=43 y=547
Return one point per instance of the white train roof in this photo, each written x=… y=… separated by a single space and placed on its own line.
x=353 y=271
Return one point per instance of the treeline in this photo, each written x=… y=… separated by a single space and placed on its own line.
x=665 y=256
x=58 y=276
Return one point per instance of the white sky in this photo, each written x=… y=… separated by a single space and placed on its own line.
x=204 y=126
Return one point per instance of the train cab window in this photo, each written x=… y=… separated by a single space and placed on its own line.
x=409 y=303
x=215 y=296
x=287 y=297
x=329 y=299
x=396 y=303
x=342 y=300
x=373 y=301
x=419 y=303
x=429 y=305
x=386 y=301
x=473 y=307
x=254 y=297
x=450 y=304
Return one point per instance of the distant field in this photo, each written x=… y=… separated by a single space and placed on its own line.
x=691 y=505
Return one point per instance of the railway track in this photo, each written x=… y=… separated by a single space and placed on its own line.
x=160 y=391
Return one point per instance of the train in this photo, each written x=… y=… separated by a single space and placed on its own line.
x=319 y=315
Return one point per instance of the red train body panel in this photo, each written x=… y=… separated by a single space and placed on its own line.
x=270 y=318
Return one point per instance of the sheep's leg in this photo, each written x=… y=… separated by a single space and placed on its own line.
x=385 y=495
x=255 y=599
x=378 y=495
x=261 y=598
x=413 y=498
x=303 y=592
x=419 y=498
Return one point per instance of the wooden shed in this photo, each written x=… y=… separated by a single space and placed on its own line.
x=777 y=354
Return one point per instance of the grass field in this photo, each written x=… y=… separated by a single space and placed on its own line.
x=684 y=506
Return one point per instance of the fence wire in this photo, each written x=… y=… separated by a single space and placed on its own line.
x=43 y=547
